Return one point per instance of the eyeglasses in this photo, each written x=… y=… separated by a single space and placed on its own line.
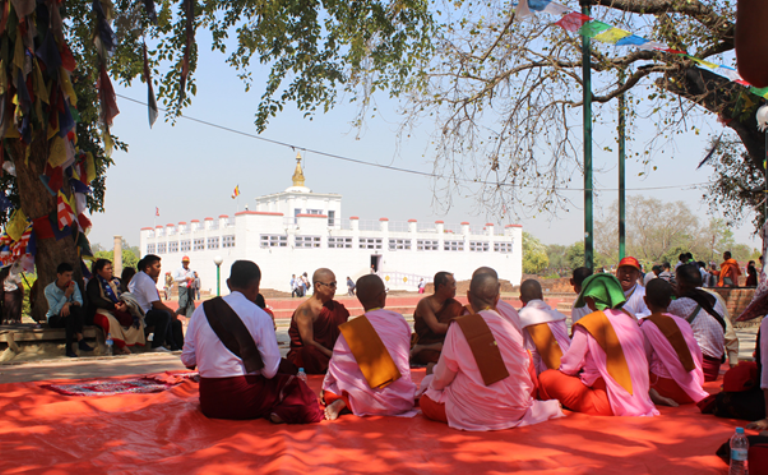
x=329 y=284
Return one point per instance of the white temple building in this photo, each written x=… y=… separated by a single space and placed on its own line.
x=297 y=231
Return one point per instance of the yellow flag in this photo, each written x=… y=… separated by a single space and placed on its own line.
x=58 y=153
x=611 y=35
x=16 y=225
x=90 y=167
x=66 y=86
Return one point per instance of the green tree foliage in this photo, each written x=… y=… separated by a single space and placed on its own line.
x=558 y=261
x=131 y=254
x=313 y=50
x=535 y=258
x=660 y=231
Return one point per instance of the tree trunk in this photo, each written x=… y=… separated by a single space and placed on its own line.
x=36 y=201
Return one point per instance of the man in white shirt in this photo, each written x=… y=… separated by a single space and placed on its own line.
x=185 y=279
x=628 y=274
x=654 y=273
x=705 y=315
x=580 y=274
x=232 y=342
x=143 y=286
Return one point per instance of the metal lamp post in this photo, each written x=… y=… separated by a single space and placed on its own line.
x=218 y=260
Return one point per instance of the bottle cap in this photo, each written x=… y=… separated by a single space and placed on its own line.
x=301 y=369
x=739 y=430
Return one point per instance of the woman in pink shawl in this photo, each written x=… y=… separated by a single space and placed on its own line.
x=605 y=370
x=675 y=357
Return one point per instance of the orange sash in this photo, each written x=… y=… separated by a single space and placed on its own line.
x=372 y=356
x=546 y=344
x=598 y=325
x=674 y=336
x=484 y=348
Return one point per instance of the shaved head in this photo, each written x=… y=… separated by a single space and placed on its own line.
x=531 y=290
x=485 y=270
x=321 y=274
x=371 y=291
x=483 y=291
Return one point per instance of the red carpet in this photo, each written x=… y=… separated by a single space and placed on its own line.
x=45 y=432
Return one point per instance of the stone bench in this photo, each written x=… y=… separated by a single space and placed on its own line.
x=25 y=341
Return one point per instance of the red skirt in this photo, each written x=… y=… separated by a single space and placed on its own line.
x=711 y=368
x=254 y=396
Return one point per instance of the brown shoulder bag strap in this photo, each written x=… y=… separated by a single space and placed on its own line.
x=233 y=333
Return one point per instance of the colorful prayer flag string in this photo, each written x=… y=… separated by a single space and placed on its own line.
x=587 y=26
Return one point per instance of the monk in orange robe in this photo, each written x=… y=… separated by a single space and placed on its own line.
x=431 y=319
x=729 y=271
x=315 y=325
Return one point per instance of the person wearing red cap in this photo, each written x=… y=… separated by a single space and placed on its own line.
x=628 y=274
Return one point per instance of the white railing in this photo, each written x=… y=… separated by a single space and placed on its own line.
x=402 y=280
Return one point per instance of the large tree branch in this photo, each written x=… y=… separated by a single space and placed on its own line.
x=722 y=97
x=691 y=8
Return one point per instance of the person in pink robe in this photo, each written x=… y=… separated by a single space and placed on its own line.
x=504 y=309
x=534 y=312
x=671 y=384
x=583 y=383
x=456 y=392
x=345 y=387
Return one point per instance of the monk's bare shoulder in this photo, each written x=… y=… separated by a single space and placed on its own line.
x=304 y=312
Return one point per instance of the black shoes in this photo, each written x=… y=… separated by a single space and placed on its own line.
x=83 y=346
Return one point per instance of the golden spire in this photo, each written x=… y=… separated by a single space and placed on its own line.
x=298 y=175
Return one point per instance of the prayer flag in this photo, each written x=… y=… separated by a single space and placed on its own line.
x=16 y=225
x=593 y=28
x=547 y=7
x=633 y=40
x=64 y=215
x=573 y=21
x=236 y=193
x=612 y=35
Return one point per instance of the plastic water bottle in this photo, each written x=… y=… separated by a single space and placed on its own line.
x=302 y=375
x=739 y=451
x=109 y=343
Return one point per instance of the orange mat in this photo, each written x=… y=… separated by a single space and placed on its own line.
x=45 y=432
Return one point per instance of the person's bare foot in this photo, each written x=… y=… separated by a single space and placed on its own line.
x=275 y=419
x=333 y=409
x=658 y=399
x=415 y=350
x=125 y=351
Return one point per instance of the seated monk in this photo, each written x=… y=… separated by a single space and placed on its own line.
x=505 y=310
x=673 y=354
x=369 y=372
x=431 y=319
x=544 y=328
x=605 y=370
x=486 y=384
x=315 y=325
x=233 y=344
x=108 y=309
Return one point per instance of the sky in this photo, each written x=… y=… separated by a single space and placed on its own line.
x=189 y=170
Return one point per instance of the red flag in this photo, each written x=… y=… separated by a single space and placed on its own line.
x=157 y=211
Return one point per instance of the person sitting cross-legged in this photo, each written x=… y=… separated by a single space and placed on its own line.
x=110 y=312
x=483 y=379
x=369 y=372
x=673 y=354
x=544 y=328
x=65 y=308
x=605 y=370
x=232 y=343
